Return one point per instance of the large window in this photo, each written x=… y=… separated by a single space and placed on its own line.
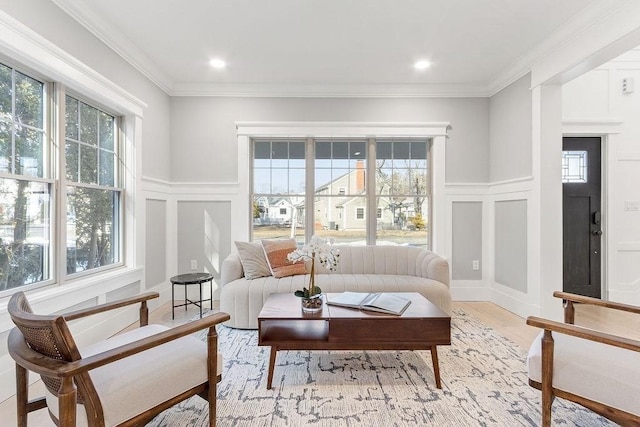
x=362 y=191
x=29 y=176
x=93 y=199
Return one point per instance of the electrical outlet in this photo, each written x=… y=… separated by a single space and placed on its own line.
x=476 y=264
x=194 y=264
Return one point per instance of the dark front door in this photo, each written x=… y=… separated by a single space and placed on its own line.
x=582 y=218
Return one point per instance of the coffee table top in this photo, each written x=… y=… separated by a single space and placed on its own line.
x=287 y=306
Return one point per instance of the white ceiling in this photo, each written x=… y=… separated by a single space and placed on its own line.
x=334 y=47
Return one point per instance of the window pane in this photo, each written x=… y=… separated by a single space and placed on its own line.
x=574 y=167
x=71 y=118
x=25 y=229
x=337 y=217
x=29 y=143
x=262 y=181
x=106 y=131
x=278 y=217
x=88 y=124
x=296 y=150
x=71 y=153
x=88 y=165
x=107 y=168
x=296 y=181
x=29 y=101
x=402 y=221
x=402 y=187
x=92 y=228
x=279 y=181
x=5 y=147
x=6 y=79
x=262 y=150
x=323 y=150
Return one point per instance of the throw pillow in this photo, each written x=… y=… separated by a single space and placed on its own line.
x=253 y=260
x=276 y=251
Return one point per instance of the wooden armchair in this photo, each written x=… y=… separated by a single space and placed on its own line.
x=597 y=370
x=125 y=380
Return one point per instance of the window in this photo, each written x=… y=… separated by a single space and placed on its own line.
x=29 y=177
x=337 y=185
x=93 y=199
x=283 y=211
x=574 y=167
x=25 y=183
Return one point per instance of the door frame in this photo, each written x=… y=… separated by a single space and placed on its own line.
x=602 y=129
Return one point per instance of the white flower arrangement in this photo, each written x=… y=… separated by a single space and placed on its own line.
x=321 y=249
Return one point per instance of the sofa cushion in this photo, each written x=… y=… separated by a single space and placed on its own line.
x=254 y=262
x=581 y=364
x=276 y=251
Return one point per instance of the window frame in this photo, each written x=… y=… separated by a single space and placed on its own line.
x=64 y=183
x=436 y=132
x=54 y=175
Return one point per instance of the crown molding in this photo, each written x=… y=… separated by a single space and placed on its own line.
x=85 y=16
x=329 y=91
x=570 y=30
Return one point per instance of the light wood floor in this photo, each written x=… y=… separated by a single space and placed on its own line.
x=506 y=323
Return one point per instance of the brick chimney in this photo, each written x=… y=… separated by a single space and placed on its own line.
x=360 y=176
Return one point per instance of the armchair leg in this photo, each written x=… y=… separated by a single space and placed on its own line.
x=67 y=403
x=22 y=395
x=212 y=349
x=547 y=378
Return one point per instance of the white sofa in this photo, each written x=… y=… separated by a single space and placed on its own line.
x=361 y=269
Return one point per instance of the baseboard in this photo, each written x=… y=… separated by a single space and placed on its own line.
x=470 y=290
x=513 y=301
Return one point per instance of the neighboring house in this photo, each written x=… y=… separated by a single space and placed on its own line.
x=280 y=210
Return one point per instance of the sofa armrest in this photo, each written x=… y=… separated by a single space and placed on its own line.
x=231 y=269
x=434 y=267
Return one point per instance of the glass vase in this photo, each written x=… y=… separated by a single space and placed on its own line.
x=312 y=304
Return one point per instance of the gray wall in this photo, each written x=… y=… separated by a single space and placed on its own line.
x=204 y=235
x=510 y=132
x=203 y=135
x=60 y=29
x=466 y=240
x=511 y=244
x=156 y=243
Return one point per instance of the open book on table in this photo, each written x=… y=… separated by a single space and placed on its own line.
x=374 y=301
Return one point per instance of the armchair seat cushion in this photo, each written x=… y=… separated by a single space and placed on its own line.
x=123 y=394
x=579 y=364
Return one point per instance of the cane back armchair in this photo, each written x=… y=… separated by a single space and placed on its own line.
x=125 y=380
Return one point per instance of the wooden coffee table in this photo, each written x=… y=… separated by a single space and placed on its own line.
x=284 y=326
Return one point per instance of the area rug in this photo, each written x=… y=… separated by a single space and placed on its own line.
x=484 y=383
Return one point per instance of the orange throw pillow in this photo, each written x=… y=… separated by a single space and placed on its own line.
x=276 y=251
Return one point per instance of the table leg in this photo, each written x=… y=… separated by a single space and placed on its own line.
x=173 y=302
x=211 y=294
x=272 y=363
x=200 y=286
x=436 y=366
x=185 y=297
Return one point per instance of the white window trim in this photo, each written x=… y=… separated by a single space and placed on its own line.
x=436 y=131
x=364 y=213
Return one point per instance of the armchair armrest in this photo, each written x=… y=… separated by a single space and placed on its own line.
x=33 y=361
x=569 y=309
x=142 y=298
x=584 y=333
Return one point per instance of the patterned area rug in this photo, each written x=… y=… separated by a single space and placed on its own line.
x=484 y=383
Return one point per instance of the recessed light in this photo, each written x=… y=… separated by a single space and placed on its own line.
x=217 y=63
x=422 y=65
